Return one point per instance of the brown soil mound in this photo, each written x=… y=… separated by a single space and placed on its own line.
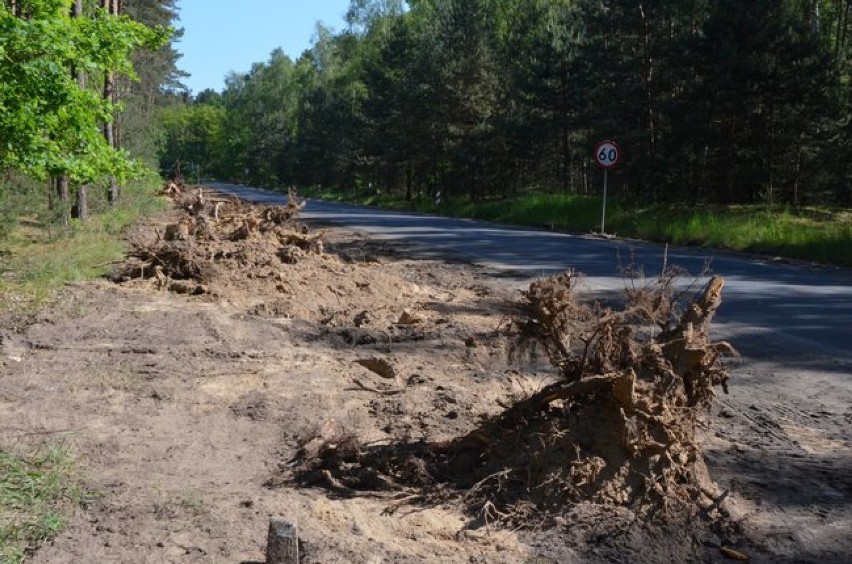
x=215 y=238
x=617 y=428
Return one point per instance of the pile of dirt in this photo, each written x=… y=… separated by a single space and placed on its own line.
x=264 y=261
x=215 y=238
x=617 y=428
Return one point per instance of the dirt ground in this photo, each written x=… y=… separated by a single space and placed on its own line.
x=185 y=412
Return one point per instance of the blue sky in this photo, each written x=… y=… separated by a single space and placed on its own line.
x=225 y=35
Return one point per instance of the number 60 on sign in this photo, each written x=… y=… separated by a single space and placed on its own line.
x=607 y=154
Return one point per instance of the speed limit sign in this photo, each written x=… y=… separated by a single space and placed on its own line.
x=607 y=154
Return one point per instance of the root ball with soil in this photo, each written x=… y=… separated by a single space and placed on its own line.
x=618 y=426
x=215 y=237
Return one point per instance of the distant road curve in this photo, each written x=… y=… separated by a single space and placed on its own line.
x=798 y=310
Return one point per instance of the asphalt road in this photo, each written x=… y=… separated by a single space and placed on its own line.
x=789 y=312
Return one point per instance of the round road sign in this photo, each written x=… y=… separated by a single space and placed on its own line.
x=607 y=154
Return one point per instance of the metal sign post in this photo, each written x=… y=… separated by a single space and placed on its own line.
x=603 y=207
x=607 y=156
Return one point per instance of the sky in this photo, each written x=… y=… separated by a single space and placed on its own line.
x=229 y=35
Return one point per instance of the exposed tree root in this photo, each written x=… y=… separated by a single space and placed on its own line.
x=618 y=427
x=215 y=235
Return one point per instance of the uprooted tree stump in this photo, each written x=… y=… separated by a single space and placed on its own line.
x=617 y=427
x=214 y=231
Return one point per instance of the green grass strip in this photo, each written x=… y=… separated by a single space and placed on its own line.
x=36 y=492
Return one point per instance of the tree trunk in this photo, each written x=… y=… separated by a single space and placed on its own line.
x=840 y=40
x=648 y=80
x=282 y=545
x=63 y=190
x=77 y=12
x=564 y=130
x=814 y=17
x=109 y=131
x=796 y=178
x=111 y=7
x=81 y=210
x=770 y=152
x=64 y=196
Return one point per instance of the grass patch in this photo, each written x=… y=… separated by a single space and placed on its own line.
x=814 y=234
x=36 y=491
x=37 y=257
x=557 y=212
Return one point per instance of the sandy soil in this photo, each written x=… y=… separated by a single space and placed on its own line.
x=185 y=410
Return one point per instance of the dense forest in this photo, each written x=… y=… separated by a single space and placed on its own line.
x=714 y=101
x=82 y=83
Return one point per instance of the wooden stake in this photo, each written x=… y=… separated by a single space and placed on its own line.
x=282 y=546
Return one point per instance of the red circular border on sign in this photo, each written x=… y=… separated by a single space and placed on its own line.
x=617 y=158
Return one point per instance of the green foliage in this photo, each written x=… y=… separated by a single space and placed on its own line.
x=36 y=490
x=138 y=126
x=741 y=102
x=49 y=125
x=37 y=257
x=193 y=139
x=20 y=195
x=810 y=234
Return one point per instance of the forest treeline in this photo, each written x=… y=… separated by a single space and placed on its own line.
x=719 y=101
